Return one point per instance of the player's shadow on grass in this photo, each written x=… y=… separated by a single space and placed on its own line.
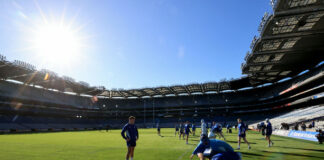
x=169 y=136
x=307 y=149
x=195 y=140
x=250 y=154
x=276 y=140
x=293 y=154
x=236 y=142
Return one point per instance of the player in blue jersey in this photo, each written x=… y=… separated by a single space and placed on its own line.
x=176 y=129
x=158 y=129
x=228 y=128
x=217 y=129
x=214 y=150
x=193 y=127
x=203 y=127
x=131 y=136
x=268 y=133
x=181 y=131
x=242 y=133
x=187 y=131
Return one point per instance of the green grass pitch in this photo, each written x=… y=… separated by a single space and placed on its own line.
x=101 y=145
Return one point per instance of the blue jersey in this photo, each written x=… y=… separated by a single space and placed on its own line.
x=187 y=128
x=269 y=128
x=181 y=127
x=241 y=128
x=216 y=146
x=217 y=128
x=193 y=127
x=131 y=132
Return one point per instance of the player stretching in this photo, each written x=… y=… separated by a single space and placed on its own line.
x=131 y=136
x=241 y=133
x=268 y=132
x=214 y=150
x=217 y=129
x=187 y=131
x=193 y=127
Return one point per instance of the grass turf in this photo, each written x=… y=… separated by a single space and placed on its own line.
x=96 y=145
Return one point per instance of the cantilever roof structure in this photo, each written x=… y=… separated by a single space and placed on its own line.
x=291 y=40
x=27 y=74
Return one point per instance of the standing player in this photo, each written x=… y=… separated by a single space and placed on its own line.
x=268 y=132
x=193 y=127
x=158 y=129
x=131 y=136
x=241 y=133
x=228 y=128
x=181 y=130
x=176 y=129
x=187 y=131
x=203 y=127
x=107 y=127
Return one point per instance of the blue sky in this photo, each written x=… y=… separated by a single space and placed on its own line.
x=138 y=43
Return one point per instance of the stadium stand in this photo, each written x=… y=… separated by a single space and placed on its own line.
x=298 y=116
x=284 y=73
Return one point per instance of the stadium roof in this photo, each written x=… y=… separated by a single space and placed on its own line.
x=291 y=40
x=28 y=75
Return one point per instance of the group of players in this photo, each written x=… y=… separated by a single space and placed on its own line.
x=183 y=129
x=209 y=147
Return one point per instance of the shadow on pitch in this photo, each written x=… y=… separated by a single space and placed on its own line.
x=293 y=154
x=250 y=154
x=306 y=149
x=241 y=142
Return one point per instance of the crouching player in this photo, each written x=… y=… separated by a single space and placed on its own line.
x=131 y=136
x=320 y=136
x=214 y=150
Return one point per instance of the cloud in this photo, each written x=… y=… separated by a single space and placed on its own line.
x=181 y=52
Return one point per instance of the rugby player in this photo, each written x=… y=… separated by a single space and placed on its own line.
x=203 y=127
x=176 y=129
x=193 y=127
x=214 y=150
x=242 y=133
x=217 y=129
x=181 y=130
x=268 y=133
x=131 y=136
x=187 y=131
x=158 y=129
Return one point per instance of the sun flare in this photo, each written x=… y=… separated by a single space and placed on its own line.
x=56 y=44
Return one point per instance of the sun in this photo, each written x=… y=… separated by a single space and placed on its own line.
x=56 y=44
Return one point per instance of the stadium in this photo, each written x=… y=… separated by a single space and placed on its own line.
x=43 y=114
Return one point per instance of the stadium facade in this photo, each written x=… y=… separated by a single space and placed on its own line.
x=283 y=71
